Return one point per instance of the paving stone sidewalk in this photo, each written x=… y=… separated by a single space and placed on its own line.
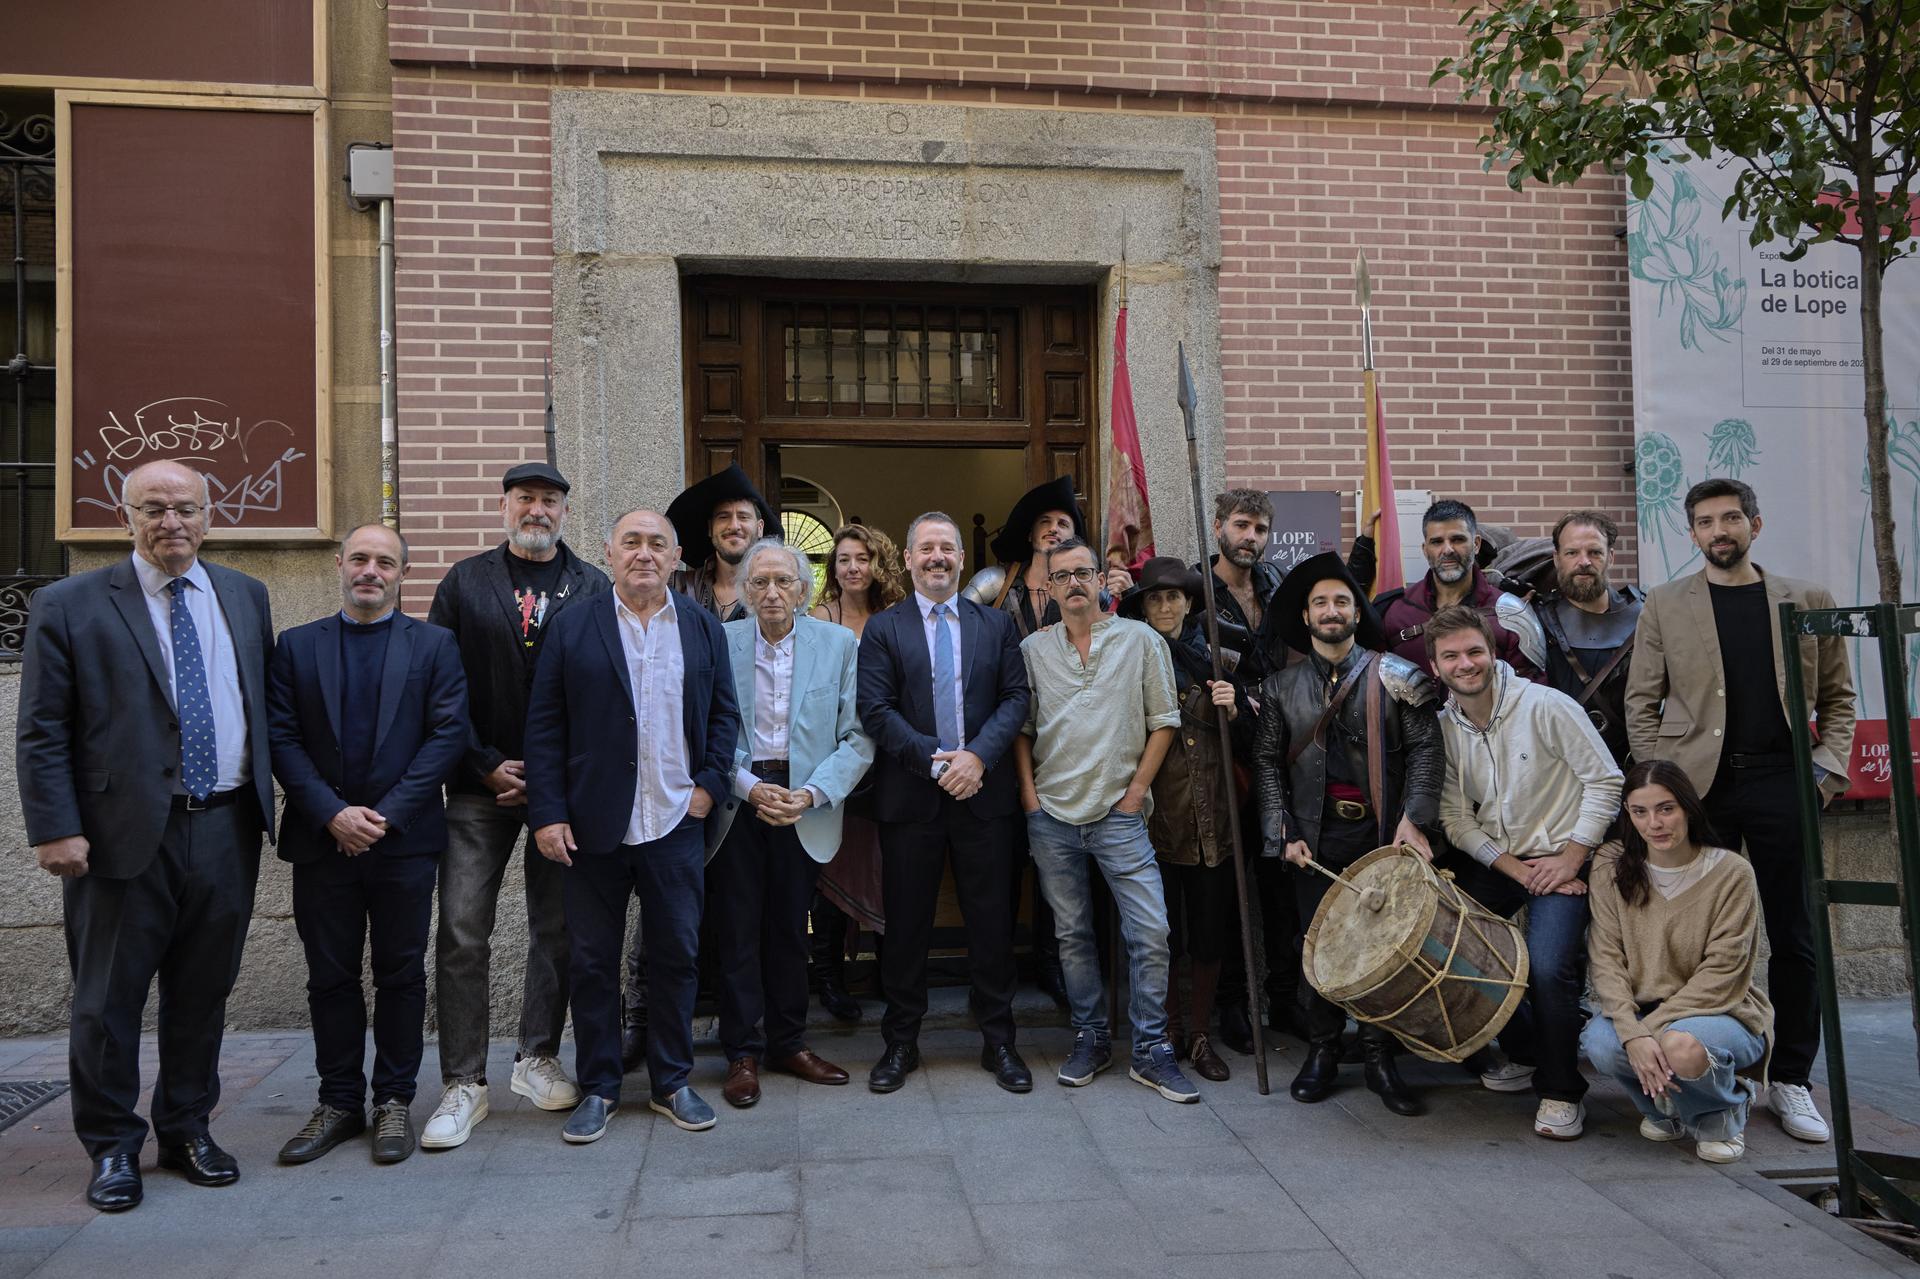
x=952 y=1176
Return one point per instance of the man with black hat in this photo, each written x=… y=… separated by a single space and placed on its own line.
x=1348 y=757
x=499 y=604
x=717 y=520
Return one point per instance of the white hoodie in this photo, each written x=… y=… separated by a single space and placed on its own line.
x=1537 y=777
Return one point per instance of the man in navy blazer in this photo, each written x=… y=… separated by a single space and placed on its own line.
x=630 y=736
x=368 y=717
x=943 y=693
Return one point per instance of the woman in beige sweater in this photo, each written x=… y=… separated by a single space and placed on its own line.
x=1672 y=947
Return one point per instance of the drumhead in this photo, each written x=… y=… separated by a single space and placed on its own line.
x=1352 y=941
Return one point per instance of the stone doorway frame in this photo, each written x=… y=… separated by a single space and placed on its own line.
x=650 y=186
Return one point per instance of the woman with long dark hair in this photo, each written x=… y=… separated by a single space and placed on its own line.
x=1672 y=948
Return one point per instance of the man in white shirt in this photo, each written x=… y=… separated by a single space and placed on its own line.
x=630 y=737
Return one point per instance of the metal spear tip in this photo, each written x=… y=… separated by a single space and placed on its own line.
x=1362 y=281
x=1186 y=399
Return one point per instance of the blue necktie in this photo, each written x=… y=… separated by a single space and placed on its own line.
x=199 y=759
x=946 y=717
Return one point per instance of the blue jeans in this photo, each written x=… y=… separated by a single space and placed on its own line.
x=1118 y=844
x=1712 y=1107
x=1545 y=1030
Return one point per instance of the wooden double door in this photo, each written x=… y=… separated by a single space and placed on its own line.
x=776 y=362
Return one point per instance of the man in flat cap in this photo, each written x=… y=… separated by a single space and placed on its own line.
x=499 y=604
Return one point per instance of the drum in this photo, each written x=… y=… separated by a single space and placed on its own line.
x=1403 y=948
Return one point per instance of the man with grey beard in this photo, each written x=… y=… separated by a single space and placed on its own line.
x=499 y=604
x=1589 y=625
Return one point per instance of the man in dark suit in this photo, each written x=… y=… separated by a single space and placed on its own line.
x=630 y=742
x=368 y=714
x=943 y=694
x=145 y=779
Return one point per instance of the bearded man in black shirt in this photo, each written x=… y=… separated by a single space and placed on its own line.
x=1707 y=690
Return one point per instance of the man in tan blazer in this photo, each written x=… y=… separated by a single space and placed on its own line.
x=1707 y=690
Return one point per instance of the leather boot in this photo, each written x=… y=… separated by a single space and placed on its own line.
x=1320 y=1072
x=633 y=1040
x=1236 y=1030
x=1383 y=1077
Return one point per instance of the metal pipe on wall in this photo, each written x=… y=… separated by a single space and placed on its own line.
x=389 y=412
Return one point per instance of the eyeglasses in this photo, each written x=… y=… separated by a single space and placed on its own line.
x=1080 y=575
x=785 y=582
x=153 y=513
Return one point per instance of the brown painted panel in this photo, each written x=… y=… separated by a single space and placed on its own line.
x=194 y=314
x=1063 y=397
x=1063 y=329
x=722 y=393
x=218 y=41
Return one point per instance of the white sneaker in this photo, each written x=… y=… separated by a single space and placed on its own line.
x=542 y=1081
x=461 y=1107
x=1722 y=1152
x=1506 y=1075
x=1560 y=1120
x=1662 y=1129
x=1798 y=1115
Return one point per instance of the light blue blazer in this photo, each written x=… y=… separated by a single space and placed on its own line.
x=826 y=747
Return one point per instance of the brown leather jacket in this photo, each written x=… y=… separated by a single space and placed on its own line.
x=1189 y=822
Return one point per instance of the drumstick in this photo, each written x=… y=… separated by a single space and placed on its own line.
x=1375 y=899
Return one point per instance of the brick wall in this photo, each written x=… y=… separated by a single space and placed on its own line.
x=1501 y=319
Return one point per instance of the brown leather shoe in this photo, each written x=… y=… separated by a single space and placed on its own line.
x=810 y=1066
x=742 y=1088
x=1206 y=1062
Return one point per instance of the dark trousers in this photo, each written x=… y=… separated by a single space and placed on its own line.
x=760 y=883
x=913 y=856
x=1760 y=807
x=341 y=905
x=182 y=919
x=669 y=877
x=1342 y=843
x=1545 y=1030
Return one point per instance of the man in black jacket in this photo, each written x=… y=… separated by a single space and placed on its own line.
x=368 y=716
x=499 y=604
x=1329 y=788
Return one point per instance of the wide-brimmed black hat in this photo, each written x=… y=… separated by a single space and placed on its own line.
x=691 y=514
x=1014 y=543
x=1284 y=622
x=1161 y=573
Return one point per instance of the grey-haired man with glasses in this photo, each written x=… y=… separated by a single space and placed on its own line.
x=145 y=781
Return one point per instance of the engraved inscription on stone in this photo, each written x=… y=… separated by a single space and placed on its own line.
x=899 y=208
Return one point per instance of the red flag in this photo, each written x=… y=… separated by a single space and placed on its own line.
x=1129 y=522
x=1376 y=494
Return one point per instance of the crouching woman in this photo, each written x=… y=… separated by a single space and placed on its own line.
x=1672 y=946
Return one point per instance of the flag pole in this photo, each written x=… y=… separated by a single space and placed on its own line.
x=1187 y=404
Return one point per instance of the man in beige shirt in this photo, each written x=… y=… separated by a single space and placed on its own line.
x=1102 y=717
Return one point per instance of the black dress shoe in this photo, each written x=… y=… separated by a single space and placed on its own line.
x=1236 y=1032
x=326 y=1128
x=891 y=1071
x=633 y=1046
x=1322 y=1070
x=839 y=1004
x=1383 y=1077
x=115 y=1186
x=1009 y=1071
x=204 y=1162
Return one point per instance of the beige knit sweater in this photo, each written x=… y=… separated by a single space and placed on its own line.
x=1693 y=955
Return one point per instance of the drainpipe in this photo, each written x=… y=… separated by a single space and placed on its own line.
x=370 y=183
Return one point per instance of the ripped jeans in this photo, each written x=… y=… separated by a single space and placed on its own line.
x=1712 y=1107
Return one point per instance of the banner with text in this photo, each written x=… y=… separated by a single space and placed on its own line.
x=1748 y=366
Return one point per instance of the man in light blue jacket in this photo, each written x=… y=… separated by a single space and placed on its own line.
x=799 y=755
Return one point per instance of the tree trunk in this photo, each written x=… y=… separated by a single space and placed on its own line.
x=1879 y=483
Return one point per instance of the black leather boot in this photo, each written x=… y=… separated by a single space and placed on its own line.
x=1383 y=1077
x=1320 y=1072
x=1236 y=1030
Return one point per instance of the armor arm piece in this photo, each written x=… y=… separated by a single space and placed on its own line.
x=1405 y=683
x=983 y=588
x=1511 y=612
x=1426 y=761
x=1270 y=745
